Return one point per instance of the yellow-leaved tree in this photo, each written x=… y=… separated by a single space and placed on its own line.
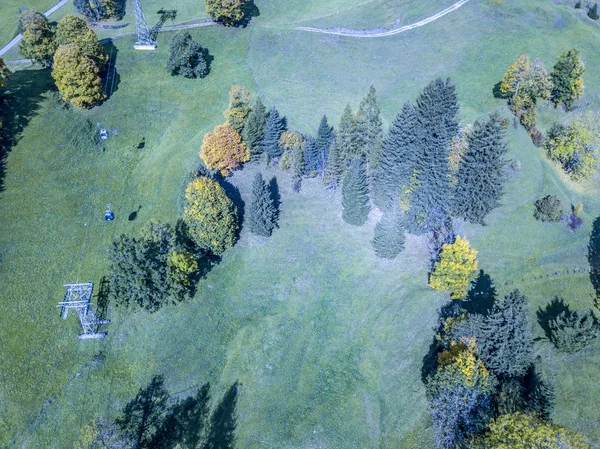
x=454 y=270
x=223 y=149
x=211 y=216
x=239 y=107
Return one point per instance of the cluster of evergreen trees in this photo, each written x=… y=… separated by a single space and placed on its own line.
x=405 y=172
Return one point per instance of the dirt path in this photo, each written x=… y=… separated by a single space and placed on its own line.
x=383 y=33
x=18 y=38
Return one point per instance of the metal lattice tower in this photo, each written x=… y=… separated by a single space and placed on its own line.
x=78 y=297
x=145 y=40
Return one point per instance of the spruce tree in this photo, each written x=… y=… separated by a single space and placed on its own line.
x=388 y=238
x=323 y=143
x=567 y=79
x=437 y=112
x=370 y=106
x=335 y=166
x=481 y=173
x=254 y=129
x=398 y=158
x=359 y=135
x=262 y=213
x=275 y=125
x=505 y=343
x=342 y=137
x=355 y=193
x=311 y=155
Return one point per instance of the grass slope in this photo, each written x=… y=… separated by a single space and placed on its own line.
x=326 y=340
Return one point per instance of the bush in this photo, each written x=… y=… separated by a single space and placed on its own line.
x=210 y=215
x=593 y=12
x=228 y=12
x=572 y=331
x=548 y=209
x=187 y=57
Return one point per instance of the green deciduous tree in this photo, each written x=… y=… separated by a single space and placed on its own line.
x=223 y=149
x=77 y=77
x=455 y=269
x=210 y=215
x=548 y=208
x=567 y=78
x=388 y=238
x=274 y=127
x=187 y=57
x=481 y=172
x=101 y=9
x=526 y=431
x=38 y=41
x=575 y=146
x=73 y=30
x=155 y=269
x=262 y=214
x=355 y=193
x=228 y=12
x=254 y=128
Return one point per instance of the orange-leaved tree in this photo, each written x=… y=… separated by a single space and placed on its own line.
x=223 y=149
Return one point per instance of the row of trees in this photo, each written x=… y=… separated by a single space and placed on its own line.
x=72 y=50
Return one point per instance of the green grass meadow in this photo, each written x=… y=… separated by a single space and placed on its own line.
x=326 y=340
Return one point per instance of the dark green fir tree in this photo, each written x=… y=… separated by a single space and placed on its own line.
x=398 y=158
x=274 y=127
x=342 y=137
x=311 y=156
x=430 y=201
x=388 y=238
x=481 y=174
x=262 y=214
x=355 y=193
x=505 y=343
x=372 y=111
x=323 y=144
x=254 y=129
x=359 y=136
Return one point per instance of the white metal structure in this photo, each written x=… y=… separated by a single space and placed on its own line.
x=145 y=40
x=78 y=298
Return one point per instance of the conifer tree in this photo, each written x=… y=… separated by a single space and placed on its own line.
x=275 y=125
x=505 y=344
x=335 y=166
x=359 y=135
x=398 y=158
x=481 y=172
x=323 y=142
x=342 y=138
x=370 y=106
x=311 y=155
x=437 y=112
x=355 y=193
x=261 y=211
x=254 y=129
x=388 y=238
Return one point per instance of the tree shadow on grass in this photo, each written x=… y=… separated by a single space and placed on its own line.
x=481 y=296
x=594 y=255
x=102 y=298
x=550 y=312
x=250 y=11
x=19 y=103
x=234 y=195
x=112 y=79
x=223 y=422
x=165 y=14
x=275 y=196
x=142 y=416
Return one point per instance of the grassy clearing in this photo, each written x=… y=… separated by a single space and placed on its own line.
x=326 y=340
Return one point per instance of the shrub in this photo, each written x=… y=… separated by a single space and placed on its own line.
x=187 y=57
x=572 y=331
x=223 y=149
x=210 y=215
x=593 y=12
x=548 y=208
x=455 y=269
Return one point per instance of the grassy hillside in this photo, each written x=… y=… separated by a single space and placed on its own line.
x=326 y=340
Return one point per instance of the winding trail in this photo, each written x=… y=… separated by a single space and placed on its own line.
x=18 y=38
x=383 y=33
